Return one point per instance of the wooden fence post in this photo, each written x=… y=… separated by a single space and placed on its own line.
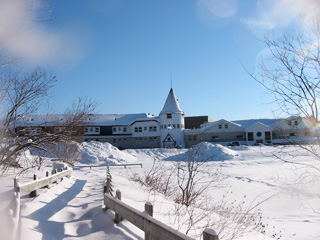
x=17 y=194
x=16 y=183
x=34 y=193
x=118 y=217
x=47 y=175
x=210 y=234
x=149 y=209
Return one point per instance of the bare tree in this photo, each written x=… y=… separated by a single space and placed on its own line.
x=21 y=95
x=192 y=179
x=291 y=73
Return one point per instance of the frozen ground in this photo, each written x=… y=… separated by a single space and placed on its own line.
x=73 y=209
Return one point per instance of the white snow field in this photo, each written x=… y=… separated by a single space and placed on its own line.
x=73 y=209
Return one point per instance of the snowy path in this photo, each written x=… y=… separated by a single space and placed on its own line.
x=72 y=209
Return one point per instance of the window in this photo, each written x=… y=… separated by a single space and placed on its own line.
x=124 y=129
x=173 y=125
x=153 y=139
x=85 y=130
x=193 y=138
x=165 y=126
x=226 y=126
x=296 y=122
x=91 y=129
x=259 y=134
x=289 y=123
x=96 y=129
x=138 y=129
x=267 y=135
x=114 y=140
x=125 y=141
x=138 y=140
x=250 y=136
x=114 y=129
x=161 y=126
x=293 y=134
x=178 y=125
x=215 y=137
x=152 y=129
x=220 y=126
x=169 y=115
x=145 y=128
x=239 y=136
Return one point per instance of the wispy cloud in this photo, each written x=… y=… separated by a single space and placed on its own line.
x=220 y=8
x=272 y=14
x=22 y=35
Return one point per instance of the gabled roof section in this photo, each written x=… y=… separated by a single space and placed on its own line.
x=257 y=125
x=250 y=122
x=210 y=125
x=171 y=104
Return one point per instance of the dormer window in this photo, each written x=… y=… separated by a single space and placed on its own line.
x=169 y=115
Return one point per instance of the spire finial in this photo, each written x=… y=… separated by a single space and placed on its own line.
x=171 y=80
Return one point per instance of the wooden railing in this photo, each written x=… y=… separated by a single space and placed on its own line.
x=154 y=229
x=31 y=189
x=125 y=165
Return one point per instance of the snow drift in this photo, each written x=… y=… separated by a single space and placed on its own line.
x=97 y=152
x=206 y=151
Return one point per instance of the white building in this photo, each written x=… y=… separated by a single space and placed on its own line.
x=172 y=129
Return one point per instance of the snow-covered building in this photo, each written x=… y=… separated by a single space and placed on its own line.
x=172 y=128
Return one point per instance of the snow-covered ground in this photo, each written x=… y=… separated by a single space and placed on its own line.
x=288 y=194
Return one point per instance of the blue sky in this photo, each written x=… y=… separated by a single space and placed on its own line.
x=123 y=53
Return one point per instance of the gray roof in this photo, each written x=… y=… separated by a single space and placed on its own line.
x=171 y=104
x=92 y=120
x=250 y=122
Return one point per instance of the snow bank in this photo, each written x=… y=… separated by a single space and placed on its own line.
x=97 y=152
x=217 y=152
x=206 y=151
x=58 y=166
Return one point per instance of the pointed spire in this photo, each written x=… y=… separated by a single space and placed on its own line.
x=171 y=104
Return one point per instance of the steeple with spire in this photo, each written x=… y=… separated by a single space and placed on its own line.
x=171 y=123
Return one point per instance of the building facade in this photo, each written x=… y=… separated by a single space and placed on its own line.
x=173 y=129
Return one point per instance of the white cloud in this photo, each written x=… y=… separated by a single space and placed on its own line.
x=272 y=14
x=220 y=8
x=22 y=35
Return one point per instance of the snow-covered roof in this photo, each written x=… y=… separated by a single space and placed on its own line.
x=171 y=104
x=250 y=122
x=258 y=124
x=215 y=123
x=92 y=120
